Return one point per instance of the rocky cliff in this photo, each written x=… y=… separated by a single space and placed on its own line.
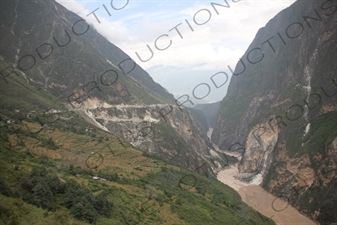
x=281 y=108
x=161 y=130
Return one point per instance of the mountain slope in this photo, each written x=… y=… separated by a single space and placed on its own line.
x=137 y=187
x=56 y=168
x=56 y=51
x=281 y=108
x=61 y=44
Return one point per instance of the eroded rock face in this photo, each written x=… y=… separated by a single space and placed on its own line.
x=160 y=129
x=307 y=182
x=288 y=99
x=260 y=146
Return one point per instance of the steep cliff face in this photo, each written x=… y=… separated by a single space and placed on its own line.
x=260 y=145
x=281 y=107
x=211 y=111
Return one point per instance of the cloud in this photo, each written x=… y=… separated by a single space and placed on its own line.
x=115 y=31
x=208 y=48
x=224 y=37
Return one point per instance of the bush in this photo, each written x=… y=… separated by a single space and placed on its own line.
x=83 y=212
x=4 y=189
x=43 y=196
x=6 y=215
x=48 y=143
x=39 y=189
x=83 y=205
x=102 y=205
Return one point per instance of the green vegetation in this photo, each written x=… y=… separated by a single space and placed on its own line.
x=4 y=189
x=322 y=132
x=232 y=109
x=83 y=205
x=171 y=137
x=23 y=96
x=135 y=187
x=45 y=175
x=221 y=204
x=48 y=143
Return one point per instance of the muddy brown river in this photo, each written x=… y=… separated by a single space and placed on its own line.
x=262 y=201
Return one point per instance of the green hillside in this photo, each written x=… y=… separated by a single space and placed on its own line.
x=48 y=160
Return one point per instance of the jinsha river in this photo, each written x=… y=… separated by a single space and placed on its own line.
x=261 y=200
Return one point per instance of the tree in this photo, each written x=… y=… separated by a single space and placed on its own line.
x=78 y=210
x=100 y=139
x=35 y=189
x=56 y=186
x=102 y=205
x=38 y=172
x=43 y=197
x=80 y=201
x=83 y=210
x=48 y=143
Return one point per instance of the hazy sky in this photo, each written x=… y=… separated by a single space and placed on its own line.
x=220 y=39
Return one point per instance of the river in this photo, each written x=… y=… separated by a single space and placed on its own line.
x=262 y=201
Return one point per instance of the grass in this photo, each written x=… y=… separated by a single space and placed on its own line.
x=208 y=202
x=26 y=214
x=21 y=96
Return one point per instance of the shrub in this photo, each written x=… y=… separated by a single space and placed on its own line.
x=4 y=189
x=48 y=143
x=102 y=205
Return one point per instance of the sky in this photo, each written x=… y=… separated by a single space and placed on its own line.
x=195 y=39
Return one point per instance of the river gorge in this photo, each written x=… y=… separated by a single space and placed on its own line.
x=281 y=212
